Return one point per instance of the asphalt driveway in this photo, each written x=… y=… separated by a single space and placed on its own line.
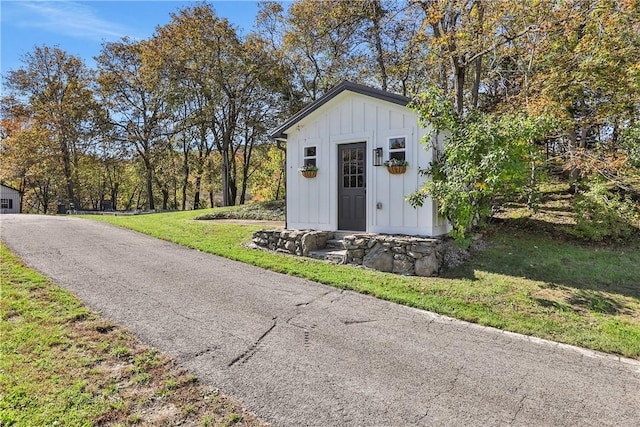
x=300 y=353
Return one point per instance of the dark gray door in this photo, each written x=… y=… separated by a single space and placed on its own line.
x=352 y=187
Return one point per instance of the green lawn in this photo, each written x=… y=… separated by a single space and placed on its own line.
x=62 y=364
x=522 y=282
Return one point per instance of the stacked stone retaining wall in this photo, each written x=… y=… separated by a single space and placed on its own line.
x=406 y=255
x=295 y=242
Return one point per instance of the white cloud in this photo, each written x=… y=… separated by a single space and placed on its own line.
x=70 y=18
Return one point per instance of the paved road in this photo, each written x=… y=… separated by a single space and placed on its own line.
x=300 y=353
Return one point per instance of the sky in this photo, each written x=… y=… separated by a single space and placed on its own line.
x=80 y=27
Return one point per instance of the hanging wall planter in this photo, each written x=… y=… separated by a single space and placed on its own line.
x=396 y=167
x=396 y=170
x=309 y=171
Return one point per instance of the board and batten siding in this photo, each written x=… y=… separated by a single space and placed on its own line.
x=9 y=200
x=351 y=118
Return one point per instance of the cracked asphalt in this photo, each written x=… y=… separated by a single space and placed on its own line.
x=299 y=353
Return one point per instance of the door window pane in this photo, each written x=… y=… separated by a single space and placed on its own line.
x=353 y=168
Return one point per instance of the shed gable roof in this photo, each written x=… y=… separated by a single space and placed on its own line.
x=9 y=187
x=279 y=132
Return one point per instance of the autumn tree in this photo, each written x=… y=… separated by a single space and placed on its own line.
x=461 y=34
x=14 y=141
x=56 y=90
x=267 y=181
x=135 y=90
x=323 y=42
x=587 y=72
x=226 y=85
x=199 y=48
x=315 y=39
x=30 y=160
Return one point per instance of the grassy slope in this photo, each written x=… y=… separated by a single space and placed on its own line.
x=522 y=282
x=62 y=364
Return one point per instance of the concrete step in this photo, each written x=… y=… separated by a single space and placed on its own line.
x=331 y=255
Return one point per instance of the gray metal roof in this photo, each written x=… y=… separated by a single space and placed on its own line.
x=10 y=187
x=279 y=132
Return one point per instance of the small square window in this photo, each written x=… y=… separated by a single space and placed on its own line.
x=309 y=157
x=397 y=143
x=398 y=155
x=397 y=148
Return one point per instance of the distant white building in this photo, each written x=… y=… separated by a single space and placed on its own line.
x=9 y=199
x=348 y=134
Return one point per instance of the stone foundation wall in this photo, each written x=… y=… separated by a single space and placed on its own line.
x=404 y=255
x=295 y=242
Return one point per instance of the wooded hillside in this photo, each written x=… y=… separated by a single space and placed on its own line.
x=529 y=91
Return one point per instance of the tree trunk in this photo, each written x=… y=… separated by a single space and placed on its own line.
x=138 y=199
x=378 y=44
x=149 y=184
x=185 y=184
x=23 y=189
x=175 y=195
x=443 y=74
x=572 y=136
x=196 y=196
x=460 y=71
x=129 y=203
x=185 y=170
x=233 y=183
x=246 y=165
x=165 y=198
x=226 y=195
x=478 y=61
x=114 y=196
x=66 y=167
x=476 y=81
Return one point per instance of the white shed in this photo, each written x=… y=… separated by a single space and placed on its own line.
x=347 y=134
x=9 y=199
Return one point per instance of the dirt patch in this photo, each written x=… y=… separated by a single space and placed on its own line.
x=145 y=387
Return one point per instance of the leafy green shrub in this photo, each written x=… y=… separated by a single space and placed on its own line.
x=630 y=142
x=603 y=215
x=484 y=158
